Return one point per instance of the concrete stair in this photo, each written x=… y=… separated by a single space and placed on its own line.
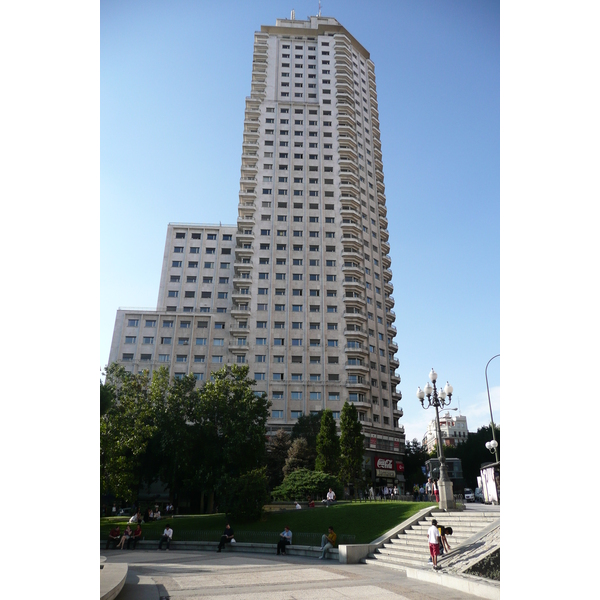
x=410 y=548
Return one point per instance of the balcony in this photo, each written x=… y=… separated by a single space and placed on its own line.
x=357 y=315
x=245 y=221
x=240 y=296
x=359 y=385
x=239 y=280
x=342 y=87
x=385 y=247
x=348 y=152
x=364 y=369
x=240 y=251
x=358 y=333
x=351 y=227
x=247 y=194
x=241 y=310
x=235 y=347
x=342 y=58
x=346 y=104
x=349 y=212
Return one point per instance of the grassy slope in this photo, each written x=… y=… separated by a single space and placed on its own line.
x=366 y=521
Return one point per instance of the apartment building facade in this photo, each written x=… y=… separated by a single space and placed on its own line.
x=453 y=431
x=300 y=288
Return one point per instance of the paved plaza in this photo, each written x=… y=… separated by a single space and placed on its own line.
x=156 y=575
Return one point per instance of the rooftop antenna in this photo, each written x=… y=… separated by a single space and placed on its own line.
x=293 y=14
x=319 y=7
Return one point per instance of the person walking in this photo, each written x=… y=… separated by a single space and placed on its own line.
x=436 y=490
x=433 y=537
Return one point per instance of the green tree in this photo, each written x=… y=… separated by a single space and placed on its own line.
x=126 y=428
x=328 y=446
x=169 y=455
x=308 y=427
x=242 y=498
x=473 y=453
x=414 y=458
x=277 y=452
x=106 y=397
x=302 y=483
x=299 y=457
x=230 y=421
x=351 y=447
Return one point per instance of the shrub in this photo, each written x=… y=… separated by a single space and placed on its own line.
x=242 y=498
x=302 y=483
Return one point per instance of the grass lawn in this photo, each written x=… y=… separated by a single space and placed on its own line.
x=365 y=521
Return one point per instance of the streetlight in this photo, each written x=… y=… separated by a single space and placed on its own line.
x=493 y=445
x=438 y=400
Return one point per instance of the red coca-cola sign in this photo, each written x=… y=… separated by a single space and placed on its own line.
x=400 y=467
x=384 y=463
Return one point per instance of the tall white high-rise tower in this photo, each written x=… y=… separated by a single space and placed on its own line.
x=300 y=290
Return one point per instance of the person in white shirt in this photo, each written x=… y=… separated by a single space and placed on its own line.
x=166 y=537
x=330 y=497
x=433 y=536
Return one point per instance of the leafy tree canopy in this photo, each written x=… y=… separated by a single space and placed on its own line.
x=351 y=446
x=302 y=483
x=328 y=445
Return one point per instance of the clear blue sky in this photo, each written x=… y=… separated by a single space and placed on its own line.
x=174 y=77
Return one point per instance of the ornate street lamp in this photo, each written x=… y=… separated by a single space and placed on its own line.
x=439 y=399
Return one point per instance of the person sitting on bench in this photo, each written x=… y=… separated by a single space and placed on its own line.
x=114 y=536
x=226 y=537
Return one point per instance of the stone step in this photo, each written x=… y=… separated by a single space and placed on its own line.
x=381 y=563
x=462 y=528
x=381 y=559
x=410 y=542
x=465 y=515
x=417 y=553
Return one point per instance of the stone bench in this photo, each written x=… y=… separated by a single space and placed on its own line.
x=248 y=547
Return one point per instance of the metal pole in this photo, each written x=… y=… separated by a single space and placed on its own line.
x=490 y=403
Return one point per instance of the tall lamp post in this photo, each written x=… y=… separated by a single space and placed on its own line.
x=493 y=445
x=438 y=400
